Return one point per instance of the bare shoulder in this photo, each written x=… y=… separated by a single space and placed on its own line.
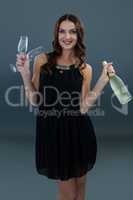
x=86 y=71
x=39 y=61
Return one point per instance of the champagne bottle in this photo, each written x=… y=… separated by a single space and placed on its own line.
x=119 y=88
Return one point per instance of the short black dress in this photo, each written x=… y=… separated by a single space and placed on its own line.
x=65 y=145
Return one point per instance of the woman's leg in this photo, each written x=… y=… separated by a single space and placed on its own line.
x=80 y=187
x=67 y=189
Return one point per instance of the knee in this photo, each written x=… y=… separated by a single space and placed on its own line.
x=67 y=196
x=81 y=181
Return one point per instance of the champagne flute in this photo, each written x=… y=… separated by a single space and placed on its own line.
x=23 y=44
x=22 y=48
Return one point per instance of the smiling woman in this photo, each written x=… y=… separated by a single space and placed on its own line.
x=66 y=144
x=67 y=35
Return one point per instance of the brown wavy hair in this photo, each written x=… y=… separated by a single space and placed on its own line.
x=57 y=50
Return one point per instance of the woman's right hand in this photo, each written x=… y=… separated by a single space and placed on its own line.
x=23 y=65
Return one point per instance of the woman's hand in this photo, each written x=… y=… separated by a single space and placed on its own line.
x=23 y=65
x=107 y=71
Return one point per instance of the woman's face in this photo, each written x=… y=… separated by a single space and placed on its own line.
x=67 y=35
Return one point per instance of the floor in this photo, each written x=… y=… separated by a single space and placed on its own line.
x=110 y=179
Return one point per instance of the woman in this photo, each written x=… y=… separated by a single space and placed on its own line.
x=61 y=89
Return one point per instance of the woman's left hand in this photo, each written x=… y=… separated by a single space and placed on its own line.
x=108 y=70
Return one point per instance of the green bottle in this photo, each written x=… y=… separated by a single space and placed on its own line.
x=119 y=88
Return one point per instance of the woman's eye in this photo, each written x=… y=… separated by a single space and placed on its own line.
x=71 y=31
x=61 y=31
x=74 y=31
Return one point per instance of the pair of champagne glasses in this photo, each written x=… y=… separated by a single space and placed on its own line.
x=23 y=48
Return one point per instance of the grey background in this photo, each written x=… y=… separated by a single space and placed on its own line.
x=109 y=35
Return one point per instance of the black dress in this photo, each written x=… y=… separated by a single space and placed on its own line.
x=66 y=144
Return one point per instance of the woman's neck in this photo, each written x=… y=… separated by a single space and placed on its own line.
x=67 y=57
